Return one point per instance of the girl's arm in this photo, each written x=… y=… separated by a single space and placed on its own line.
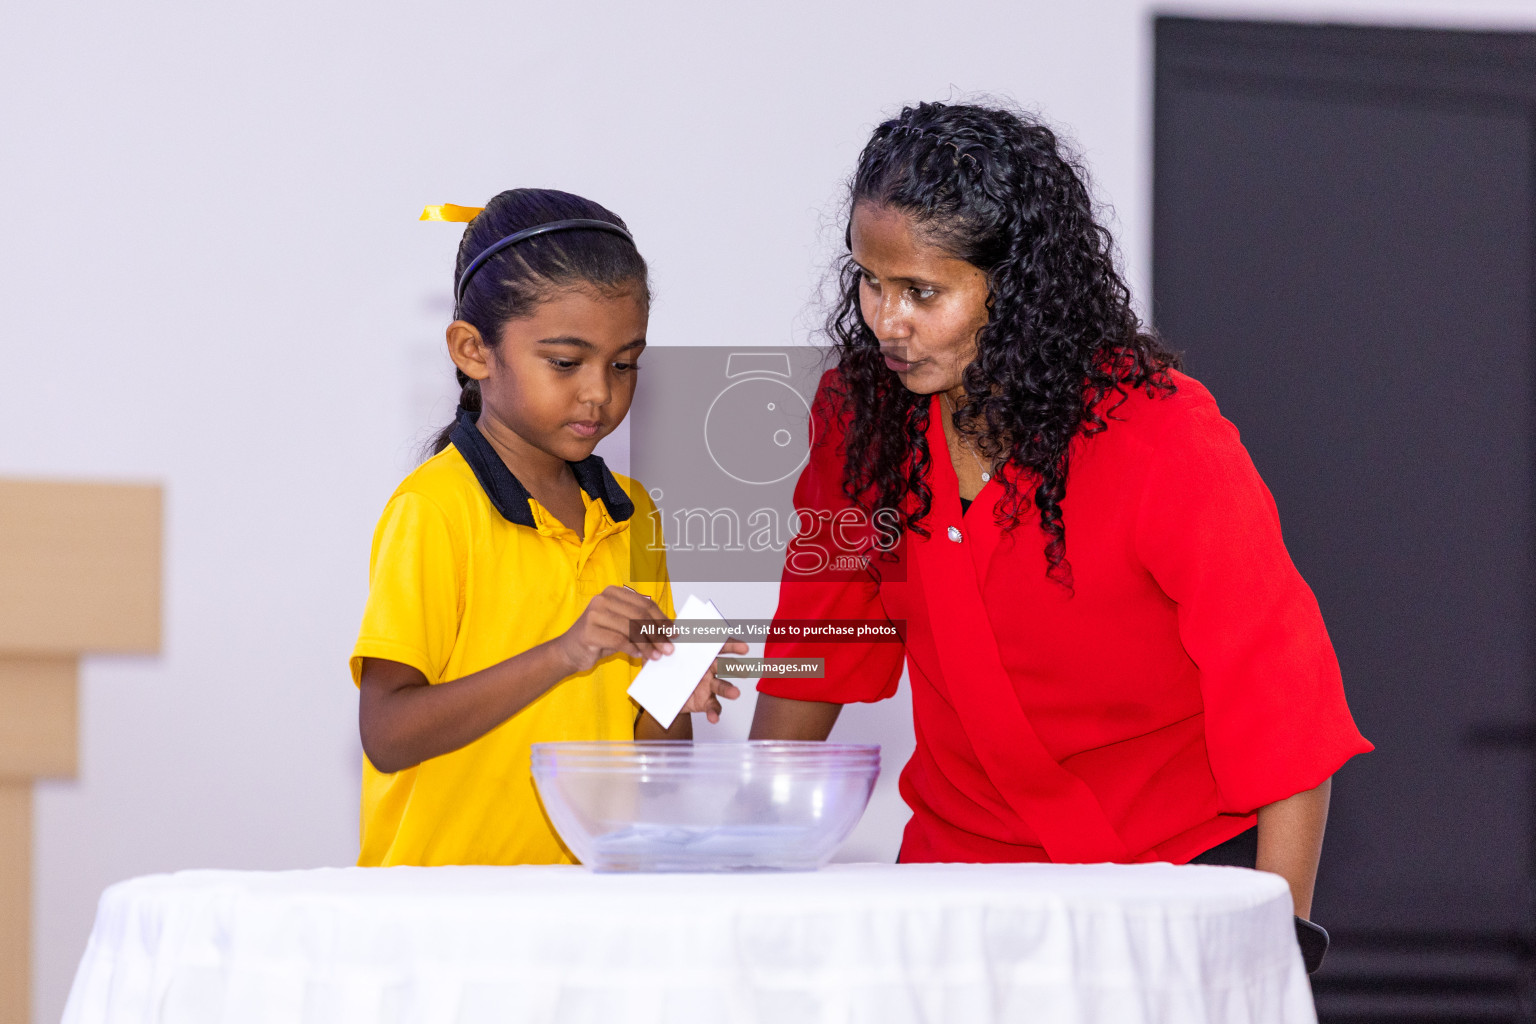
x=404 y=720
x=1291 y=840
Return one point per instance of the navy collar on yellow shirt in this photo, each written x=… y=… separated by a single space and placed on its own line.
x=509 y=495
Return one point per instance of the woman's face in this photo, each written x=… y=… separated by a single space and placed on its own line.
x=923 y=305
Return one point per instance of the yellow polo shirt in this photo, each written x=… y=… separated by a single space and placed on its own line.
x=456 y=586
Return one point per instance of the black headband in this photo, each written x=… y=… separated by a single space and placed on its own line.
x=575 y=224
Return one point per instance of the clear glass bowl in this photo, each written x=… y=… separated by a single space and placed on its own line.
x=680 y=806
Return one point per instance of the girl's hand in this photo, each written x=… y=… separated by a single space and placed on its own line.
x=603 y=629
x=706 y=696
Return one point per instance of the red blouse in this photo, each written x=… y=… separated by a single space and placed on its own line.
x=1185 y=681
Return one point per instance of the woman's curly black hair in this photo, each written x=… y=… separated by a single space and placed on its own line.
x=992 y=187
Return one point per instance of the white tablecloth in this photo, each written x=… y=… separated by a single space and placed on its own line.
x=853 y=944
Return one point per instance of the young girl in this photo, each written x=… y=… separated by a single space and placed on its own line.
x=507 y=569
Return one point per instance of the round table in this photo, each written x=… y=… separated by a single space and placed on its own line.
x=852 y=944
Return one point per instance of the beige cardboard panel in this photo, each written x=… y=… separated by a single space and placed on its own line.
x=38 y=716
x=79 y=567
x=15 y=901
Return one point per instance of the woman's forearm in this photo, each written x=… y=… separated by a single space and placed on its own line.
x=1291 y=840
x=403 y=720
x=779 y=718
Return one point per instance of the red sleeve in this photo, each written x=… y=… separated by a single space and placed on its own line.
x=816 y=586
x=1276 y=722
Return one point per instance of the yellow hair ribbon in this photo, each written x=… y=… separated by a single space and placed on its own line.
x=449 y=212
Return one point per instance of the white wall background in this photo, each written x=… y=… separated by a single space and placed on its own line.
x=211 y=275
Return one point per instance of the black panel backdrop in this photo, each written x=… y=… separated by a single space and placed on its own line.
x=1344 y=252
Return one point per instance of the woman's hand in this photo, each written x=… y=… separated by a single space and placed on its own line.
x=603 y=629
x=706 y=696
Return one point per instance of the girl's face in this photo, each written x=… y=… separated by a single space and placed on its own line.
x=563 y=378
x=923 y=305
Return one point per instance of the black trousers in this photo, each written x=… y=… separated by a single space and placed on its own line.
x=1241 y=851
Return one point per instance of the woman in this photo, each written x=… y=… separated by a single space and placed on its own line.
x=1112 y=657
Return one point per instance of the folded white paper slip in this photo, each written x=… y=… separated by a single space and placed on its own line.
x=664 y=685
